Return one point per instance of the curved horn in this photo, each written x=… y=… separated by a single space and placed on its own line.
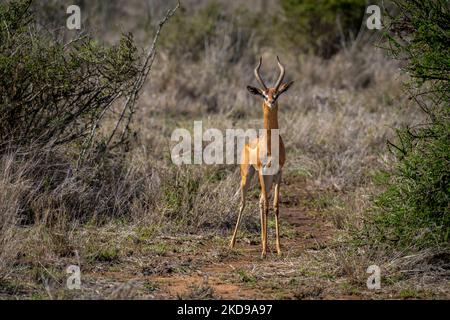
x=281 y=77
x=258 y=76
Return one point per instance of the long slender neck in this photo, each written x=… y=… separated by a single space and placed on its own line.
x=270 y=122
x=270 y=117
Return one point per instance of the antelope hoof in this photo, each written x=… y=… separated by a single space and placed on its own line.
x=263 y=255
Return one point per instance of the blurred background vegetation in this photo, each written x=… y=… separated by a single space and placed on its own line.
x=322 y=27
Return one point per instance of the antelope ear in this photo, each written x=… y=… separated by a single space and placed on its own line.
x=255 y=91
x=285 y=87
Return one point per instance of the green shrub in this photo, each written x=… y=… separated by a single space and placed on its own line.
x=321 y=26
x=53 y=97
x=415 y=208
x=51 y=91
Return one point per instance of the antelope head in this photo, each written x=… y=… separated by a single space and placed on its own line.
x=270 y=95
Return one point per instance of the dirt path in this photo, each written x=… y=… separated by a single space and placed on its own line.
x=126 y=262
x=236 y=274
x=198 y=267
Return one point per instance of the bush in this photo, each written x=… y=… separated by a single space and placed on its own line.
x=321 y=26
x=415 y=208
x=53 y=97
x=55 y=92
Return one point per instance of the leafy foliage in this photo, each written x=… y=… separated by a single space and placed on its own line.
x=415 y=208
x=55 y=92
x=322 y=25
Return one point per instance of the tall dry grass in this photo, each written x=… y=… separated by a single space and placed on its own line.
x=15 y=188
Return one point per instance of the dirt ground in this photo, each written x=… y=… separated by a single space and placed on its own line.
x=203 y=266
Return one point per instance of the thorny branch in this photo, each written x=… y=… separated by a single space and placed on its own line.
x=150 y=58
x=130 y=101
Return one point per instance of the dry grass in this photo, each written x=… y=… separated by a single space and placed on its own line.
x=14 y=187
x=334 y=121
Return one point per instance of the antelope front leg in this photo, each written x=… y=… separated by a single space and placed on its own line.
x=276 y=207
x=246 y=177
x=264 y=210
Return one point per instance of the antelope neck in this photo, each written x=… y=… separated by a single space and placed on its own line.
x=270 y=122
x=270 y=117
